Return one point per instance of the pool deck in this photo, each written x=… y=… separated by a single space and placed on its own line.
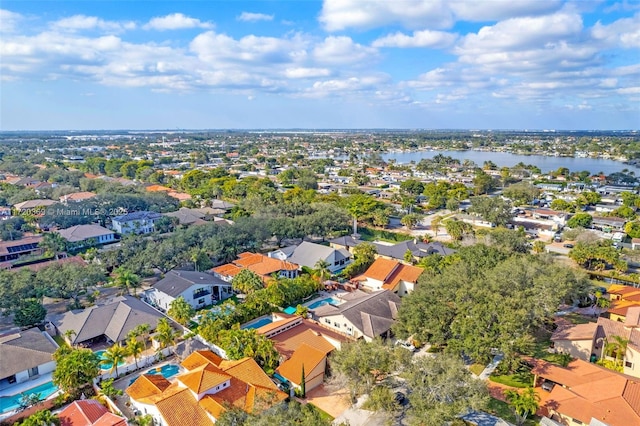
x=323 y=295
x=24 y=386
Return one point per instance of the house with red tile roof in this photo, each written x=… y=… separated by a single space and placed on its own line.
x=208 y=388
x=261 y=265
x=89 y=412
x=583 y=391
x=388 y=274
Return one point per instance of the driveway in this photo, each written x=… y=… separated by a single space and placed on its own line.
x=355 y=416
x=330 y=399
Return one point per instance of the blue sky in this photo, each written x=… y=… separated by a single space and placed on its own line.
x=433 y=64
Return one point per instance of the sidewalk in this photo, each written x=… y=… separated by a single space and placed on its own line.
x=491 y=367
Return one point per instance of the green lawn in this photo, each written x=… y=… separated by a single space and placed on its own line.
x=575 y=318
x=59 y=340
x=522 y=379
x=502 y=410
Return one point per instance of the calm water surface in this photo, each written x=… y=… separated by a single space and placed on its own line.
x=505 y=159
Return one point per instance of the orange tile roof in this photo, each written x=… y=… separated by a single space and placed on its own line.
x=247 y=370
x=406 y=273
x=199 y=358
x=89 y=412
x=305 y=355
x=263 y=265
x=157 y=188
x=182 y=409
x=287 y=342
x=147 y=385
x=586 y=391
x=620 y=307
x=381 y=268
x=277 y=324
x=203 y=378
x=179 y=195
x=228 y=269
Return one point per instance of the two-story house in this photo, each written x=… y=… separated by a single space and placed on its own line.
x=197 y=288
x=142 y=222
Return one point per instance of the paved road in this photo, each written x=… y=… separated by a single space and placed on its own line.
x=491 y=367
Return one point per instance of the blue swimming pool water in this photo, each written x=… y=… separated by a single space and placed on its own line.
x=167 y=371
x=290 y=310
x=106 y=365
x=9 y=403
x=317 y=304
x=258 y=324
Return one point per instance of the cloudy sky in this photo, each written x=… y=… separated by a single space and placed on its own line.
x=434 y=64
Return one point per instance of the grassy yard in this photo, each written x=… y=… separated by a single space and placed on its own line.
x=501 y=409
x=59 y=340
x=522 y=379
x=576 y=318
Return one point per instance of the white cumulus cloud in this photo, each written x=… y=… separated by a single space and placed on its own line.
x=254 y=17
x=175 y=21
x=425 y=38
x=83 y=22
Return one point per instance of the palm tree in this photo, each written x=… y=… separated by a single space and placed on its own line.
x=142 y=330
x=68 y=336
x=127 y=279
x=165 y=334
x=115 y=354
x=43 y=418
x=435 y=224
x=135 y=348
x=617 y=347
x=322 y=270
x=523 y=404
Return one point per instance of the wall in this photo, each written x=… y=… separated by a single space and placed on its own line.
x=580 y=349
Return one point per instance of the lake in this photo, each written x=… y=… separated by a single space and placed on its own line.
x=502 y=159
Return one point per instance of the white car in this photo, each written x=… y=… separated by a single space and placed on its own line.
x=405 y=345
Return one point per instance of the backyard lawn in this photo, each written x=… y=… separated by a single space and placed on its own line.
x=521 y=379
x=501 y=409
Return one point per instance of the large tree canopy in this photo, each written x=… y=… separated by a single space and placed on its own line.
x=487 y=299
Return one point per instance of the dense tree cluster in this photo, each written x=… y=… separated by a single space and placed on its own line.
x=487 y=298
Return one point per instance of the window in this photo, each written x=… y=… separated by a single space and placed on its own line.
x=33 y=371
x=576 y=421
x=201 y=301
x=336 y=325
x=628 y=364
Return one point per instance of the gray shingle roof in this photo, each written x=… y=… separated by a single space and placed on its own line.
x=142 y=215
x=418 y=249
x=176 y=282
x=24 y=350
x=83 y=232
x=308 y=254
x=113 y=320
x=373 y=314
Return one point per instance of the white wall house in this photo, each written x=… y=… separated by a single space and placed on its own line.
x=135 y=223
x=24 y=356
x=197 y=288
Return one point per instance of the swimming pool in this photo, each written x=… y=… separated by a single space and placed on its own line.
x=327 y=301
x=257 y=324
x=106 y=365
x=290 y=310
x=167 y=371
x=10 y=403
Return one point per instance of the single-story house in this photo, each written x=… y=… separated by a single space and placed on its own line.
x=261 y=265
x=209 y=387
x=197 y=288
x=89 y=412
x=142 y=222
x=34 y=207
x=583 y=391
x=87 y=235
x=366 y=315
x=188 y=217
x=608 y=223
x=25 y=355
x=11 y=250
x=111 y=321
x=76 y=197
x=417 y=248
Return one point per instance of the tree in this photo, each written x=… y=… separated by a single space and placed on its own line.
x=617 y=348
x=632 y=229
x=521 y=193
x=538 y=246
x=408 y=256
x=28 y=313
x=41 y=418
x=482 y=182
x=109 y=390
x=115 y=355
x=441 y=389
x=165 y=335
x=322 y=270
x=143 y=331
x=411 y=220
x=358 y=206
x=303 y=384
x=524 y=403
x=53 y=243
x=127 y=280
x=75 y=369
x=135 y=348
x=181 y=311
x=247 y=281
x=492 y=209
x=457 y=228
x=580 y=220
x=435 y=224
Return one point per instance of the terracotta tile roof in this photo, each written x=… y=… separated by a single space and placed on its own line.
x=199 y=358
x=265 y=329
x=228 y=269
x=263 y=265
x=78 y=196
x=586 y=391
x=181 y=409
x=286 y=343
x=247 y=370
x=575 y=332
x=621 y=307
x=406 y=273
x=305 y=355
x=381 y=268
x=147 y=385
x=89 y=412
x=157 y=188
x=203 y=378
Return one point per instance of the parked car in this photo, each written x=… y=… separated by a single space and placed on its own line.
x=400 y=398
x=406 y=345
x=568 y=245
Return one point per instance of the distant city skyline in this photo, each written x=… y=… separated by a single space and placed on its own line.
x=332 y=64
